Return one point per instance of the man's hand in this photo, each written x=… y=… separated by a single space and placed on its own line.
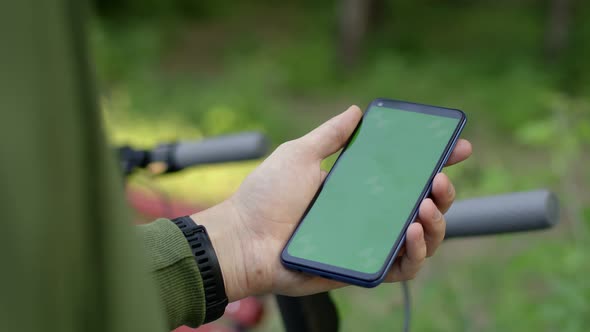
x=250 y=229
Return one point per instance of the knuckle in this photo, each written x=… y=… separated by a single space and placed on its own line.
x=291 y=147
x=335 y=132
x=286 y=145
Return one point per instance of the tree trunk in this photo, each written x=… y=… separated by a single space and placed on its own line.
x=557 y=35
x=353 y=21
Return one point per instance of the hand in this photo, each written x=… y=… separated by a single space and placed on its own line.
x=250 y=229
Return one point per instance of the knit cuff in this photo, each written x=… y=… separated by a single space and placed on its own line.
x=176 y=273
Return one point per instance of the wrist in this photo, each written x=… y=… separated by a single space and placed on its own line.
x=221 y=222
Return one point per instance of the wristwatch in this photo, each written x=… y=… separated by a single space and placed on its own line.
x=204 y=254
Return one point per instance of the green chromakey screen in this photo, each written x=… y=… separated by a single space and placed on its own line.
x=370 y=194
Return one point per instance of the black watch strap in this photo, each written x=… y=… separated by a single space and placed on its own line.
x=200 y=244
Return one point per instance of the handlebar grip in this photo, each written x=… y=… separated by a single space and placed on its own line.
x=508 y=213
x=242 y=146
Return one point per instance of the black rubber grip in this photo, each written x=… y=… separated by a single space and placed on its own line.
x=243 y=146
x=508 y=213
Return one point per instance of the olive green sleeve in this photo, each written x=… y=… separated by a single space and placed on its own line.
x=175 y=271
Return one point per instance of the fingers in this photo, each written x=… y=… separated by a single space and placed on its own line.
x=318 y=284
x=426 y=235
x=461 y=152
x=407 y=266
x=443 y=192
x=333 y=134
x=433 y=223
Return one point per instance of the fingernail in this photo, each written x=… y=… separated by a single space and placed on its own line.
x=437 y=215
x=450 y=189
x=354 y=106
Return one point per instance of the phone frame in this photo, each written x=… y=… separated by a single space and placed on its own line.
x=374 y=279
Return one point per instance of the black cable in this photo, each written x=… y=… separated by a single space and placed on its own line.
x=407 y=306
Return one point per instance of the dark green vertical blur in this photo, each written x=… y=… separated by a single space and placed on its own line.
x=69 y=261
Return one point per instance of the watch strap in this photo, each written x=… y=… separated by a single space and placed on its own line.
x=206 y=259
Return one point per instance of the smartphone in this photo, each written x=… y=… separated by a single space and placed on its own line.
x=356 y=224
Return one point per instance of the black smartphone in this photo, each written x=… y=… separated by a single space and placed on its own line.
x=356 y=224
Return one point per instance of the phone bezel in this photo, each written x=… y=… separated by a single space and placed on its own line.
x=373 y=279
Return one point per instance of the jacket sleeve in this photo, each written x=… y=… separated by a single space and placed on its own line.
x=175 y=271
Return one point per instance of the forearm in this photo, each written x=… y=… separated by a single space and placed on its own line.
x=175 y=271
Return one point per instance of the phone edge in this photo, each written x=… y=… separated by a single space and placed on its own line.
x=381 y=276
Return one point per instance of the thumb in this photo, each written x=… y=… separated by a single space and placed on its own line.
x=333 y=134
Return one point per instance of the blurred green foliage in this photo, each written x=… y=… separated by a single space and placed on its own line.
x=181 y=69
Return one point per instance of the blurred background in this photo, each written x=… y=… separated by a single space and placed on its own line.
x=181 y=69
